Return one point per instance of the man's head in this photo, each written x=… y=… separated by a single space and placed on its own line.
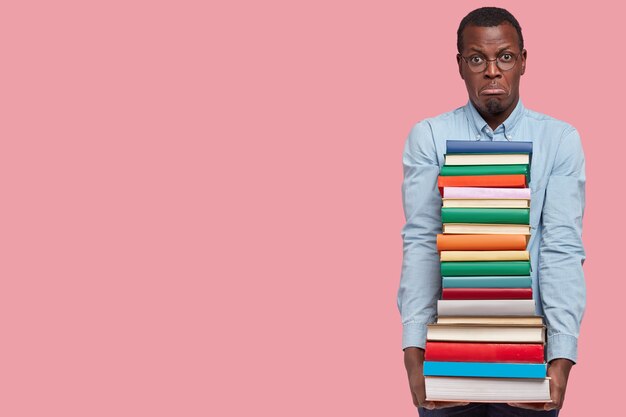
x=491 y=60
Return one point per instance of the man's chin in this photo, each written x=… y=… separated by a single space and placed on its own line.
x=494 y=106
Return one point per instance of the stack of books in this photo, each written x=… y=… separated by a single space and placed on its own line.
x=487 y=344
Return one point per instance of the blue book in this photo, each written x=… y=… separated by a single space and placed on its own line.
x=485 y=369
x=473 y=146
x=496 y=281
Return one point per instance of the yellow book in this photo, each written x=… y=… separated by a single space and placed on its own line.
x=484 y=255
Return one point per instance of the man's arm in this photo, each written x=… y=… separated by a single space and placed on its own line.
x=561 y=257
x=561 y=252
x=420 y=282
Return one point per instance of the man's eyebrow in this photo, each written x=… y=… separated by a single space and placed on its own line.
x=474 y=48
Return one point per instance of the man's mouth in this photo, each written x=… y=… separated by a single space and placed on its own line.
x=492 y=90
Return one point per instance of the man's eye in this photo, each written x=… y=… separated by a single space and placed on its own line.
x=506 y=57
x=476 y=60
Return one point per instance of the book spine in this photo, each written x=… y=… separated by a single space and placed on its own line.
x=520 y=169
x=481 y=242
x=485 y=307
x=487 y=294
x=485 y=192
x=478 y=268
x=497 y=255
x=487 y=282
x=484 y=352
x=489 y=181
x=485 y=369
x=485 y=215
x=466 y=146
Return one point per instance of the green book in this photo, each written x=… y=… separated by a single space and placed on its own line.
x=485 y=215
x=452 y=170
x=479 y=268
x=496 y=281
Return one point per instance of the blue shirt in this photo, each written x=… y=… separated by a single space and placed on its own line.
x=556 y=212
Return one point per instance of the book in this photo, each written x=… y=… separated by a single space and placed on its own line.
x=480 y=268
x=487 y=294
x=487 y=181
x=490 y=390
x=481 y=242
x=484 y=255
x=509 y=320
x=486 y=202
x=448 y=170
x=485 y=192
x=485 y=215
x=493 y=333
x=489 y=281
x=471 y=146
x=486 y=159
x=485 y=307
x=484 y=352
x=485 y=229
x=485 y=369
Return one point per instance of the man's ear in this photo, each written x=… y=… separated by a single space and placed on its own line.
x=524 y=55
x=459 y=62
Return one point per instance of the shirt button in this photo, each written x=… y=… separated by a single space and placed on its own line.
x=478 y=136
x=509 y=136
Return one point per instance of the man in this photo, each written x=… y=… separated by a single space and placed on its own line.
x=491 y=61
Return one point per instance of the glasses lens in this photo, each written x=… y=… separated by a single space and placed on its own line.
x=506 y=61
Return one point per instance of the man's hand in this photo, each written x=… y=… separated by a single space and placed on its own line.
x=414 y=364
x=558 y=371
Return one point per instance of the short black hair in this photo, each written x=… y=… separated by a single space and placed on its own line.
x=488 y=17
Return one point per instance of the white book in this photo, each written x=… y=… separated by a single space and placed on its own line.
x=487 y=159
x=492 y=390
x=485 y=307
x=486 y=192
x=486 y=202
x=485 y=229
x=486 y=333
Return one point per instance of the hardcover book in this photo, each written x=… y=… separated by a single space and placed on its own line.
x=472 y=146
x=481 y=242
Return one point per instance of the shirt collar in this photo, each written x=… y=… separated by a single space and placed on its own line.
x=509 y=125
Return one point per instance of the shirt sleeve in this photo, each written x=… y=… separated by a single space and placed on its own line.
x=561 y=251
x=420 y=281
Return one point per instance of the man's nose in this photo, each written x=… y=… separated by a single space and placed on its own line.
x=492 y=70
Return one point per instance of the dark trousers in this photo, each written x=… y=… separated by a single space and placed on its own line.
x=485 y=410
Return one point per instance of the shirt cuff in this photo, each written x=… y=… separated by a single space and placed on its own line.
x=414 y=335
x=562 y=346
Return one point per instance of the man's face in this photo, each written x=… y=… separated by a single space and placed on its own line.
x=492 y=91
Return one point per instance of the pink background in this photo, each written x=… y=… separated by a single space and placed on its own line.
x=201 y=203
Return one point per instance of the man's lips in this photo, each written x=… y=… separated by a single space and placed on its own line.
x=491 y=90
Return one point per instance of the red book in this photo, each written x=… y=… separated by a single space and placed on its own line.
x=487 y=294
x=491 y=181
x=484 y=352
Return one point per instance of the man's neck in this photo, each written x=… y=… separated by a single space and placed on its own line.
x=495 y=120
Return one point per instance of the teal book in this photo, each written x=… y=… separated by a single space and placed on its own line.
x=495 y=281
x=485 y=215
x=480 y=268
x=485 y=369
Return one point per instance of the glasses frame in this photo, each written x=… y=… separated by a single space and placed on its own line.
x=487 y=61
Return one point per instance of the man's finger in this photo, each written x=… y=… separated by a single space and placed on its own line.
x=447 y=404
x=429 y=405
x=529 y=406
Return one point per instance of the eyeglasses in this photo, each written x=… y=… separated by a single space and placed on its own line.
x=505 y=61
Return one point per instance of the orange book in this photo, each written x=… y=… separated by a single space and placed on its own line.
x=492 y=181
x=481 y=242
